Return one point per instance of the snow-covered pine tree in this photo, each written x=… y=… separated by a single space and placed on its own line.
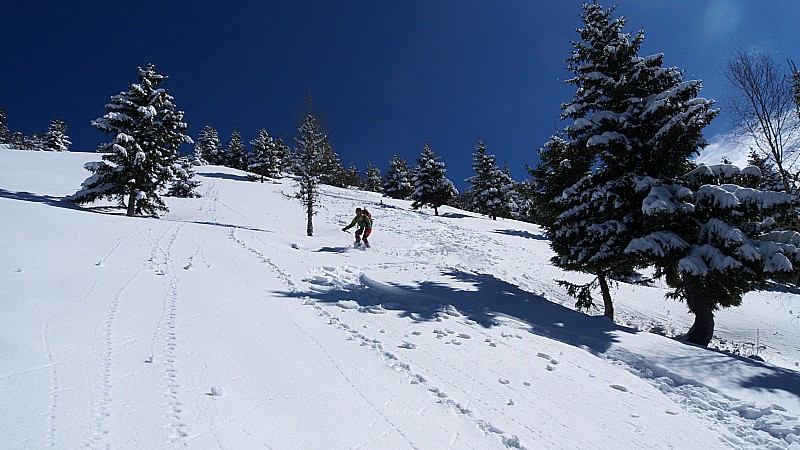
x=183 y=184
x=208 y=148
x=431 y=187
x=56 y=139
x=146 y=132
x=714 y=240
x=34 y=142
x=398 y=179
x=265 y=159
x=284 y=157
x=372 y=178
x=333 y=172
x=5 y=134
x=560 y=166
x=309 y=164
x=633 y=120
x=352 y=176
x=492 y=189
x=235 y=153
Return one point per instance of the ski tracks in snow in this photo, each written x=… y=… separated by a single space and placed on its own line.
x=161 y=262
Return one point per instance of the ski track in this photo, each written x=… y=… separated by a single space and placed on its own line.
x=52 y=413
x=162 y=262
x=99 y=433
x=55 y=389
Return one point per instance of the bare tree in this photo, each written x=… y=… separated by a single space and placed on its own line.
x=762 y=109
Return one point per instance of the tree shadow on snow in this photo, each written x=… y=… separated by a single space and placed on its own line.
x=36 y=198
x=224 y=176
x=487 y=302
x=776 y=379
x=522 y=234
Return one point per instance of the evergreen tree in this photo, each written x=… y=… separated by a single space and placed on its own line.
x=559 y=167
x=398 y=179
x=33 y=142
x=431 y=187
x=183 y=184
x=284 y=157
x=265 y=159
x=372 y=178
x=492 y=189
x=146 y=132
x=333 y=172
x=309 y=164
x=714 y=240
x=56 y=139
x=235 y=153
x=5 y=134
x=17 y=140
x=634 y=122
x=208 y=148
x=352 y=176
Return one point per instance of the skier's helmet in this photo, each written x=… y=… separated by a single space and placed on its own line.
x=358 y=210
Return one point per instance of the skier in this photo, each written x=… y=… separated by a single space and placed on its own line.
x=364 y=221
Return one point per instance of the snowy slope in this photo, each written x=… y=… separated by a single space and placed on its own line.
x=222 y=325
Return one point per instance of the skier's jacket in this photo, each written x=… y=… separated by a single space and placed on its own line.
x=363 y=220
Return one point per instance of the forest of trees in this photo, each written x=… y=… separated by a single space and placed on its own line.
x=616 y=190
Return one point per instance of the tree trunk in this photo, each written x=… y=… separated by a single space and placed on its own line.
x=435 y=211
x=310 y=223
x=702 y=330
x=132 y=203
x=608 y=305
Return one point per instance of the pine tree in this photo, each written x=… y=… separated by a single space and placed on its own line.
x=284 y=157
x=431 y=187
x=398 y=179
x=492 y=189
x=352 y=176
x=372 y=178
x=235 y=153
x=714 y=240
x=333 y=172
x=146 y=132
x=309 y=163
x=56 y=139
x=208 y=148
x=265 y=159
x=183 y=184
x=5 y=134
x=635 y=123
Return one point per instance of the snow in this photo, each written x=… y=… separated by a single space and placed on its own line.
x=221 y=325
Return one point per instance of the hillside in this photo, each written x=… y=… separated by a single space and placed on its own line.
x=221 y=325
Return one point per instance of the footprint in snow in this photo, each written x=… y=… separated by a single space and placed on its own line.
x=543 y=355
x=408 y=345
x=503 y=381
x=416 y=333
x=464 y=336
x=619 y=387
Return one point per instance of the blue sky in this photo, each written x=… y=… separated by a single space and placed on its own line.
x=387 y=75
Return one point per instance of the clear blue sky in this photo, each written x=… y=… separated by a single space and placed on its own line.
x=387 y=75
